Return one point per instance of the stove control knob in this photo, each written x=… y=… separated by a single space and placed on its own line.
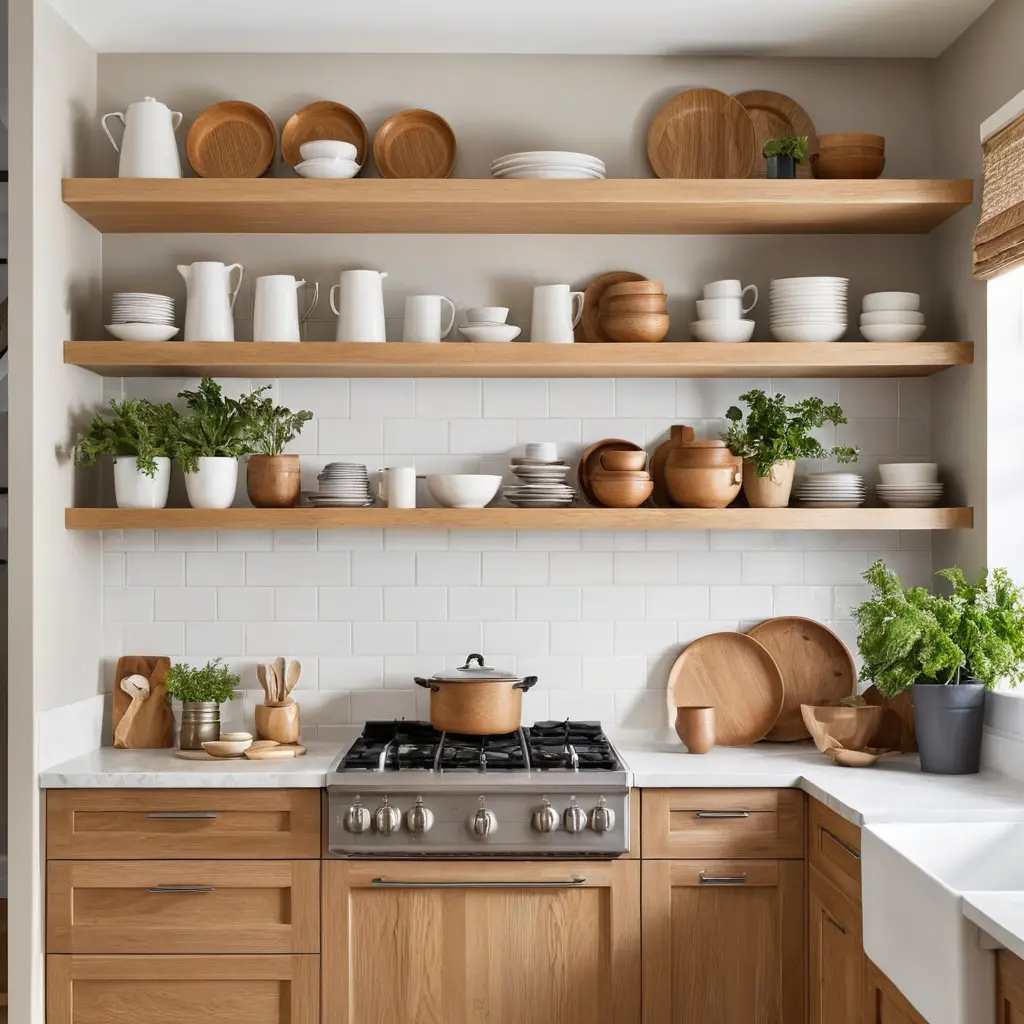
x=357 y=818
x=545 y=818
x=387 y=819
x=484 y=822
x=419 y=818
x=602 y=818
x=575 y=818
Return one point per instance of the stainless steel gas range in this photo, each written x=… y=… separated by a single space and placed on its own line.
x=403 y=789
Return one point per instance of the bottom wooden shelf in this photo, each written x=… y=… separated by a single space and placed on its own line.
x=521 y=519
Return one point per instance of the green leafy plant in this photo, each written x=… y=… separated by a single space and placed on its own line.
x=790 y=145
x=269 y=427
x=137 y=428
x=213 y=683
x=213 y=427
x=776 y=432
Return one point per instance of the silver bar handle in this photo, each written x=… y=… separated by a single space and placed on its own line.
x=706 y=879
x=180 y=888
x=723 y=814
x=181 y=815
x=391 y=883
x=846 y=846
x=838 y=924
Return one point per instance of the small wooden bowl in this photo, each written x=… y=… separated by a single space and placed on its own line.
x=832 y=139
x=852 y=728
x=619 y=461
x=866 y=164
x=633 y=288
x=616 y=490
x=695 y=726
x=645 y=327
x=631 y=305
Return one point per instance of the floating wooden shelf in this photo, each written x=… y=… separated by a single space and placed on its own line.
x=521 y=519
x=399 y=359
x=486 y=206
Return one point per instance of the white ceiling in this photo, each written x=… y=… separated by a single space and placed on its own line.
x=832 y=28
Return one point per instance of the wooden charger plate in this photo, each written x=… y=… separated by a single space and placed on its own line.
x=775 y=116
x=816 y=668
x=232 y=139
x=592 y=457
x=415 y=144
x=702 y=133
x=734 y=674
x=589 y=327
x=323 y=120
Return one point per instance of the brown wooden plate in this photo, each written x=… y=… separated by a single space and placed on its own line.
x=589 y=328
x=415 y=144
x=232 y=139
x=775 y=116
x=323 y=120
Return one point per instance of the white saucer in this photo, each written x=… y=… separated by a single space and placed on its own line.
x=495 y=332
x=327 y=167
x=143 y=332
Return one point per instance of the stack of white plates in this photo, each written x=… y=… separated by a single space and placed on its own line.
x=343 y=485
x=809 y=308
x=547 y=164
x=892 y=316
x=909 y=495
x=142 y=316
x=831 y=490
x=541 y=484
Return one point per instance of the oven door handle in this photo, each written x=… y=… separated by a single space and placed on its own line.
x=394 y=883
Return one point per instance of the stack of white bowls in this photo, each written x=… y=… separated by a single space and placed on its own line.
x=809 y=308
x=327 y=158
x=830 y=490
x=909 y=484
x=547 y=164
x=343 y=485
x=541 y=475
x=892 y=316
x=487 y=324
x=142 y=316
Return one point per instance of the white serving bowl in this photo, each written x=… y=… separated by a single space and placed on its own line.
x=902 y=473
x=896 y=333
x=879 y=302
x=486 y=315
x=328 y=149
x=808 y=332
x=728 y=332
x=891 y=316
x=490 y=332
x=143 y=332
x=326 y=167
x=463 y=490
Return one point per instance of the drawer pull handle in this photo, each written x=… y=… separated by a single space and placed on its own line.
x=846 y=846
x=390 y=883
x=180 y=888
x=182 y=815
x=723 y=814
x=706 y=879
x=838 y=924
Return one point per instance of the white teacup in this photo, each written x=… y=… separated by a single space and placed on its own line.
x=732 y=289
x=541 y=451
x=487 y=315
x=720 y=309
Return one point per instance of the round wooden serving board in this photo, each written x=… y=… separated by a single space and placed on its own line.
x=233 y=139
x=323 y=120
x=776 y=116
x=589 y=327
x=415 y=144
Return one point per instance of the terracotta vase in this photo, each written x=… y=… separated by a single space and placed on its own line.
x=768 y=491
x=274 y=481
x=278 y=723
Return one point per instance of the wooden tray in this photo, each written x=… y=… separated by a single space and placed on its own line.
x=702 y=133
x=415 y=144
x=591 y=457
x=232 y=139
x=589 y=328
x=272 y=751
x=816 y=668
x=734 y=674
x=323 y=120
x=775 y=116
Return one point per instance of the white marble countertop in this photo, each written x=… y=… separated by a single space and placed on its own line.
x=999 y=915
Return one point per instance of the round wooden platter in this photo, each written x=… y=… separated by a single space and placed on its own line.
x=816 y=668
x=776 y=116
x=261 y=750
x=415 y=144
x=702 y=133
x=232 y=139
x=589 y=327
x=733 y=673
x=323 y=120
x=589 y=459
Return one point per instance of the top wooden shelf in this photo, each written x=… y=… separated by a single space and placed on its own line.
x=486 y=206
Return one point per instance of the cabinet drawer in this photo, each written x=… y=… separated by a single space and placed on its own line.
x=730 y=823
x=835 y=849
x=175 y=989
x=187 y=824
x=183 y=906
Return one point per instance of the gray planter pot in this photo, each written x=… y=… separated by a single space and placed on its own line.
x=949 y=723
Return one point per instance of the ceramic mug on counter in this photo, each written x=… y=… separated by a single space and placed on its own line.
x=396 y=486
x=423 y=318
x=556 y=311
x=275 y=314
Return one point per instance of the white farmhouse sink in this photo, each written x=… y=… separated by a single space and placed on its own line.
x=914 y=928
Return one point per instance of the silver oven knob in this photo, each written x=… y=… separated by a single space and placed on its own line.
x=387 y=819
x=484 y=822
x=602 y=818
x=419 y=818
x=545 y=818
x=357 y=818
x=575 y=818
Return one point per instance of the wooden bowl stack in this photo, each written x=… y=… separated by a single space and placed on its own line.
x=849 y=155
x=634 y=311
x=621 y=480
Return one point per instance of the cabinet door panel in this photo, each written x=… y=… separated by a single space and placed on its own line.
x=885 y=1003
x=837 y=955
x=1010 y=981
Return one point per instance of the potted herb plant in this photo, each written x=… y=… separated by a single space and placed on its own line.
x=201 y=692
x=949 y=651
x=138 y=437
x=783 y=155
x=273 y=479
x=773 y=437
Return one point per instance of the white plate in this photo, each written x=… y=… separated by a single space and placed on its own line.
x=813 y=333
x=552 y=156
x=143 y=332
x=832 y=504
x=810 y=282
x=495 y=333
x=325 y=167
x=893 y=333
x=723 y=332
x=544 y=173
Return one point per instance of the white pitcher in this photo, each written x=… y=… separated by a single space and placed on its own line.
x=210 y=301
x=360 y=308
x=556 y=311
x=423 y=318
x=148 y=147
x=275 y=314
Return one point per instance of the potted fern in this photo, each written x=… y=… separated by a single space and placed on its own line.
x=773 y=437
x=138 y=436
x=783 y=155
x=949 y=651
x=201 y=692
x=273 y=479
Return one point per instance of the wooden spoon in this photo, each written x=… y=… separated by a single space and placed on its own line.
x=279 y=669
x=261 y=675
x=291 y=678
x=272 y=691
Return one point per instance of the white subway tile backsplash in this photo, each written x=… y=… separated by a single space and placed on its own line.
x=673 y=603
x=449 y=398
x=369 y=705
x=547 y=604
x=616 y=672
x=482 y=437
x=295 y=540
x=155 y=568
x=645 y=398
x=215 y=569
x=277 y=638
x=185 y=604
x=518 y=399
x=707 y=567
x=295 y=604
x=481 y=604
x=772 y=567
x=186 y=540
x=523 y=638
x=363 y=672
x=631 y=567
x=416 y=540
x=549 y=540
x=128 y=604
x=582 y=705
x=245 y=540
x=376 y=396
x=384 y=638
x=297 y=568
x=809 y=602
x=582 y=396
x=415 y=437
x=514 y=568
x=741 y=602
x=166 y=637
x=215 y=639
x=416 y=604
x=449 y=568
x=581 y=567
x=350 y=604
x=241 y=604
x=644 y=637
x=613 y=604
x=578 y=638
x=445 y=638
x=341 y=437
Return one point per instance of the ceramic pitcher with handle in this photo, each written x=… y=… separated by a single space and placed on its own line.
x=275 y=315
x=148 y=147
x=360 y=305
x=210 y=301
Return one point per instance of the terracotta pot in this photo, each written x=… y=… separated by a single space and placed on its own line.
x=274 y=481
x=768 y=491
x=703 y=486
x=695 y=726
x=278 y=723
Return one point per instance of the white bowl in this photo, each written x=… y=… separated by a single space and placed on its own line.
x=896 y=333
x=463 y=490
x=891 y=316
x=909 y=472
x=329 y=149
x=808 y=332
x=723 y=331
x=325 y=167
x=878 y=302
x=143 y=332
x=486 y=315
x=490 y=332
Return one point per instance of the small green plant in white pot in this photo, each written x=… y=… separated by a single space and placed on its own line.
x=201 y=692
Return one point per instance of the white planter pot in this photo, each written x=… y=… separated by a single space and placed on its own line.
x=213 y=486
x=133 y=489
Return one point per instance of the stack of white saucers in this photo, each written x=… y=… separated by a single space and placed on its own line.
x=142 y=316
x=830 y=490
x=809 y=308
x=547 y=164
x=909 y=484
x=892 y=316
x=343 y=485
x=541 y=475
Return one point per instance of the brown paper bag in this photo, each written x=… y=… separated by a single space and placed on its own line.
x=153 y=724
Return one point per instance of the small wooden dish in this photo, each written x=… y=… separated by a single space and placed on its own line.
x=618 y=461
x=848 y=162
x=232 y=139
x=415 y=144
x=590 y=462
x=850 y=728
x=636 y=327
x=323 y=120
x=227 y=748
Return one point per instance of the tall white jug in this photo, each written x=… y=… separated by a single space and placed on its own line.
x=360 y=308
x=210 y=301
x=148 y=147
x=275 y=315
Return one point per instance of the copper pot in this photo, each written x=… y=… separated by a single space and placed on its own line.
x=274 y=481
x=476 y=699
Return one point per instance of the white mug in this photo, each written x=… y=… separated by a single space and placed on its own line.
x=275 y=312
x=720 y=309
x=396 y=486
x=730 y=290
x=487 y=315
x=423 y=318
x=556 y=311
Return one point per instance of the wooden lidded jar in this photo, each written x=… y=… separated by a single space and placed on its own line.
x=701 y=472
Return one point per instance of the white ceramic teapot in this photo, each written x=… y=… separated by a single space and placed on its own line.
x=148 y=147
x=360 y=308
x=210 y=301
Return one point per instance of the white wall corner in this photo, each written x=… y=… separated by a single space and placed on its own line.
x=74 y=729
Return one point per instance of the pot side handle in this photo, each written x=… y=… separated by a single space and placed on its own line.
x=526 y=684
x=427 y=684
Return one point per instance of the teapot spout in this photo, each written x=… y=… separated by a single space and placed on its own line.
x=185 y=271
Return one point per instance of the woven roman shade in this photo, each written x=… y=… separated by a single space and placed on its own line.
x=999 y=240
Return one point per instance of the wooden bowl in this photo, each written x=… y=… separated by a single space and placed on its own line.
x=703 y=487
x=833 y=139
x=617 y=490
x=619 y=461
x=643 y=327
x=633 y=288
x=631 y=305
x=848 y=162
x=852 y=728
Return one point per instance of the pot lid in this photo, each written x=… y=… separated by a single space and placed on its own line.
x=475 y=671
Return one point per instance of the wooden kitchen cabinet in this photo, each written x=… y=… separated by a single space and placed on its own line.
x=837 y=959
x=466 y=942
x=1009 y=988
x=724 y=953
x=886 y=1004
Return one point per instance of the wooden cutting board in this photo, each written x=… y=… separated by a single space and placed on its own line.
x=735 y=675
x=153 y=726
x=816 y=668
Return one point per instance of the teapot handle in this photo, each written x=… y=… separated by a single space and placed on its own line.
x=176 y=116
x=103 y=121
x=316 y=295
x=241 y=271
